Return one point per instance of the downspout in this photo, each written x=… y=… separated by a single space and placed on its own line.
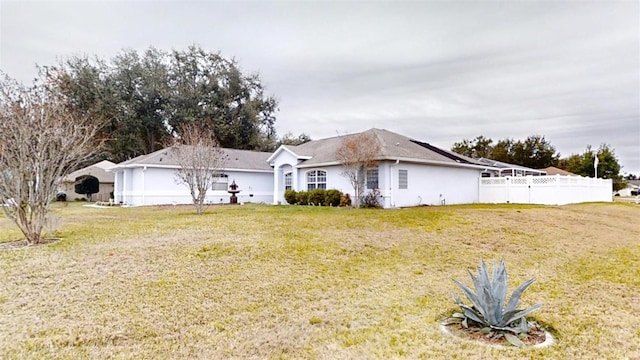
x=124 y=186
x=144 y=170
x=115 y=187
x=392 y=203
x=276 y=184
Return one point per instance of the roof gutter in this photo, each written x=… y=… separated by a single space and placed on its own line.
x=145 y=166
x=409 y=160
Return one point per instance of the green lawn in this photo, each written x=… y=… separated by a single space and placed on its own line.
x=292 y=282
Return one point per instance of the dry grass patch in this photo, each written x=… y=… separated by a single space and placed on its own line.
x=308 y=282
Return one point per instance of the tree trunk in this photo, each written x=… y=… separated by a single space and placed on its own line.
x=33 y=238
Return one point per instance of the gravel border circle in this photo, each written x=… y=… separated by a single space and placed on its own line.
x=548 y=340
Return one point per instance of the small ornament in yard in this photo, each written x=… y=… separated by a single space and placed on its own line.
x=233 y=190
x=492 y=319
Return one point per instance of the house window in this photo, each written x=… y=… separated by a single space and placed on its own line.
x=371 y=178
x=221 y=182
x=287 y=181
x=403 y=179
x=316 y=179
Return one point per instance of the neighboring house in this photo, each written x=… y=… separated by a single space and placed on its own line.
x=99 y=170
x=408 y=173
x=506 y=169
x=150 y=179
x=632 y=189
x=552 y=170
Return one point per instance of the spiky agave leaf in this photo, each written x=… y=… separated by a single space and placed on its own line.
x=493 y=309
x=517 y=293
x=467 y=312
x=514 y=340
x=482 y=286
x=473 y=314
x=511 y=316
x=471 y=296
x=456 y=298
x=458 y=316
x=477 y=284
x=484 y=282
x=499 y=285
x=522 y=327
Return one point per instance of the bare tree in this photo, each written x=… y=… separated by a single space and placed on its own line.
x=200 y=160
x=357 y=153
x=40 y=142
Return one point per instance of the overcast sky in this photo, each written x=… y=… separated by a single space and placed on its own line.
x=438 y=72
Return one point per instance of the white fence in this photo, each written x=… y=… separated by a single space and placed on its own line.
x=548 y=190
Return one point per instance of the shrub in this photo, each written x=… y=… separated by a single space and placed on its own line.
x=87 y=185
x=332 y=197
x=290 y=196
x=345 y=200
x=371 y=199
x=488 y=310
x=316 y=196
x=302 y=197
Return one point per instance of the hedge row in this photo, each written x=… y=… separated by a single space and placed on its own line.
x=319 y=197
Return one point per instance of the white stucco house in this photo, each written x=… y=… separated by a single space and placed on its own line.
x=409 y=172
x=150 y=179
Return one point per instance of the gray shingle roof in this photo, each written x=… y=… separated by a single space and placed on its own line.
x=552 y=170
x=236 y=159
x=392 y=146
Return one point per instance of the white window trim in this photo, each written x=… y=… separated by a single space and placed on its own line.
x=306 y=177
x=218 y=181
x=366 y=177
x=288 y=177
x=406 y=182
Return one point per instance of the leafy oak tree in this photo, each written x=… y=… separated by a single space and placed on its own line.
x=479 y=147
x=290 y=139
x=534 y=152
x=139 y=99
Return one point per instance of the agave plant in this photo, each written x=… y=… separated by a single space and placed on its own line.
x=489 y=309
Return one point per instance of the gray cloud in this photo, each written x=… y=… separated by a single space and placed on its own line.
x=439 y=72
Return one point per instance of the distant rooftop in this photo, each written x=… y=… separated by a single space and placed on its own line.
x=505 y=168
x=552 y=170
x=98 y=170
